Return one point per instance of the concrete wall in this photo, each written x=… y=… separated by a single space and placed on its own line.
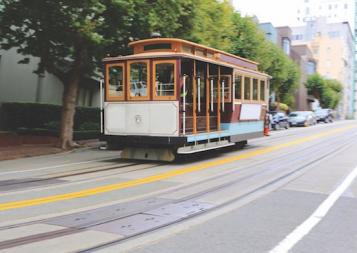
x=18 y=83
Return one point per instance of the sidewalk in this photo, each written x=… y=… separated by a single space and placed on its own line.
x=30 y=150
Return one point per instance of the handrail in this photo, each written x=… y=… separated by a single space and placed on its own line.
x=199 y=93
x=223 y=96
x=101 y=105
x=211 y=95
x=234 y=93
x=184 y=105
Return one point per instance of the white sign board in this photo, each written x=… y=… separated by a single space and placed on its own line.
x=250 y=112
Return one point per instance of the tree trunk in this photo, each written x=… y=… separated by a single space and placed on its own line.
x=68 y=111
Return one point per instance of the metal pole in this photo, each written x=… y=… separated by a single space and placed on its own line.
x=101 y=105
x=184 y=105
x=212 y=95
x=199 y=93
x=234 y=93
x=223 y=96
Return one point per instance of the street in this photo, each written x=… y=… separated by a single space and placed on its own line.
x=230 y=200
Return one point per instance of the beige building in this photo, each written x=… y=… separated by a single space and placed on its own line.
x=333 y=48
x=333 y=64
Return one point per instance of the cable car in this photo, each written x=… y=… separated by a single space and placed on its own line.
x=174 y=97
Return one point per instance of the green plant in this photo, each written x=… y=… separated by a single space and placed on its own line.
x=87 y=126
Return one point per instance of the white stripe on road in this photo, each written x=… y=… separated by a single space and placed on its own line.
x=294 y=237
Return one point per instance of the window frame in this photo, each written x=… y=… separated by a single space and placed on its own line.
x=108 y=97
x=148 y=88
x=265 y=89
x=156 y=97
x=250 y=88
x=237 y=73
x=257 y=94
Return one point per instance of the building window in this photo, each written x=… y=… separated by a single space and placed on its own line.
x=286 y=45
x=297 y=37
x=307 y=11
x=334 y=34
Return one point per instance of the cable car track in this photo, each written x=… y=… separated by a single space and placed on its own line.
x=285 y=176
x=21 y=182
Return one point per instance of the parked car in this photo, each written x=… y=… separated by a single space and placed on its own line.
x=279 y=120
x=324 y=115
x=302 y=118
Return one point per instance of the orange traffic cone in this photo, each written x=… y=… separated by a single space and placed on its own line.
x=266 y=125
x=266 y=131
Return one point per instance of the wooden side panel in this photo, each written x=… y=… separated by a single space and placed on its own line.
x=231 y=116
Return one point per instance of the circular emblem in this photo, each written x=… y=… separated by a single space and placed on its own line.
x=138 y=119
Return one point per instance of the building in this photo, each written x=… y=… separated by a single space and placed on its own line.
x=270 y=32
x=335 y=11
x=19 y=83
x=303 y=57
x=332 y=46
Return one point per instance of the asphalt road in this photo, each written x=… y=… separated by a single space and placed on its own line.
x=294 y=191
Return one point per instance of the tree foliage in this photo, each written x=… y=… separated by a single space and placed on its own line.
x=249 y=41
x=72 y=37
x=327 y=91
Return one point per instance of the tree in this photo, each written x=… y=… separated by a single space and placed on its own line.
x=249 y=41
x=211 y=24
x=327 y=91
x=315 y=85
x=72 y=37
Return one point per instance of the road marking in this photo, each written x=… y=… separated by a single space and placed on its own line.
x=162 y=176
x=58 y=166
x=303 y=229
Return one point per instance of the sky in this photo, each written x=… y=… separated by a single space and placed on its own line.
x=278 y=12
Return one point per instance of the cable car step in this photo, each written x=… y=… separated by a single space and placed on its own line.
x=204 y=147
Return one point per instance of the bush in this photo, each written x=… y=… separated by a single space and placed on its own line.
x=45 y=116
x=90 y=126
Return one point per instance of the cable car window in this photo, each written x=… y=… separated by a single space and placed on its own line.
x=238 y=86
x=247 y=88
x=115 y=81
x=200 y=52
x=262 y=90
x=157 y=46
x=138 y=76
x=255 y=89
x=164 y=79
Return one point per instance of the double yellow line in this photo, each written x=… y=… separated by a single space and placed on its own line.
x=162 y=176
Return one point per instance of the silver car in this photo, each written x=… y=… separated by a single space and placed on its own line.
x=302 y=118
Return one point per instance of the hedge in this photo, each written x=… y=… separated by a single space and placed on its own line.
x=45 y=116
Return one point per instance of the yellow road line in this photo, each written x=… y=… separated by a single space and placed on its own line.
x=162 y=176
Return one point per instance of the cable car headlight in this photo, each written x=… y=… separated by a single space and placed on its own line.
x=138 y=119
